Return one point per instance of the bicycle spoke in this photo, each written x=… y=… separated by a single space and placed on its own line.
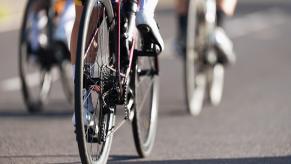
x=144 y=98
x=91 y=43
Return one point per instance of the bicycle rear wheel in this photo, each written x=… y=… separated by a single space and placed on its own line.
x=146 y=88
x=35 y=78
x=92 y=83
x=195 y=77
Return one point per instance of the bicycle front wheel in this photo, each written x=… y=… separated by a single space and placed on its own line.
x=146 y=89
x=93 y=116
x=195 y=77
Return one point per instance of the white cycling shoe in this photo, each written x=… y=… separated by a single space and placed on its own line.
x=225 y=47
x=148 y=20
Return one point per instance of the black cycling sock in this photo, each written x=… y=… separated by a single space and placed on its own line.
x=182 y=24
x=219 y=17
x=182 y=31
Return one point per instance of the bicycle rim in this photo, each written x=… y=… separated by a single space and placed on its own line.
x=146 y=90
x=93 y=59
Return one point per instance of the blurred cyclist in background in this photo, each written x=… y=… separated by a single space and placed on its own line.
x=63 y=21
x=224 y=7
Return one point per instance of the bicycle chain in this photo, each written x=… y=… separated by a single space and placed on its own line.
x=127 y=110
x=125 y=98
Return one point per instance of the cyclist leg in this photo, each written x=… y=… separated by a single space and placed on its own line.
x=227 y=6
x=74 y=36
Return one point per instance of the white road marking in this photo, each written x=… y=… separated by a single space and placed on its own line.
x=14 y=84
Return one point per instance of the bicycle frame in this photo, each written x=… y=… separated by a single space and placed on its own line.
x=117 y=3
x=114 y=20
x=122 y=76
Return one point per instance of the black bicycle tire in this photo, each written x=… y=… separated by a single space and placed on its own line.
x=80 y=136
x=145 y=147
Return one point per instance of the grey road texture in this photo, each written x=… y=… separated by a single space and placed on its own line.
x=251 y=126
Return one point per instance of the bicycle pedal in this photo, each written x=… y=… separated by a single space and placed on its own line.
x=129 y=105
x=149 y=41
x=92 y=135
x=131 y=115
x=128 y=108
x=144 y=29
x=108 y=110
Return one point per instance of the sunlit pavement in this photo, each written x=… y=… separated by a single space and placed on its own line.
x=252 y=125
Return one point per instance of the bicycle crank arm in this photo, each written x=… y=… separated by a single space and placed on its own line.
x=130 y=112
x=115 y=128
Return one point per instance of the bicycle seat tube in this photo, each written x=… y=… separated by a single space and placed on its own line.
x=129 y=10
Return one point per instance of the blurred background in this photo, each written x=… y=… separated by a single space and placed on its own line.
x=251 y=125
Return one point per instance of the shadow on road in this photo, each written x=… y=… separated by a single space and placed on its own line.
x=128 y=158
x=119 y=158
x=56 y=109
x=254 y=160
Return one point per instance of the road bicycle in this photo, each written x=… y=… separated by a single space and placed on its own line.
x=204 y=72
x=116 y=65
x=35 y=66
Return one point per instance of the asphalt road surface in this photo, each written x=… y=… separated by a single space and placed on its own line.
x=252 y=125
